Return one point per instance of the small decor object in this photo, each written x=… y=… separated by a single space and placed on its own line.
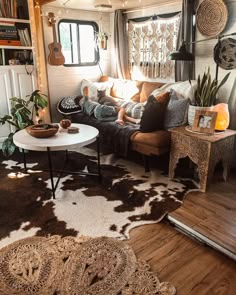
x=204 y=122
x=42 y=130
x=225 y=53
x=65 y=123
x=205 y=94
x=222 y=120
x=211 y=17
x=73 y=130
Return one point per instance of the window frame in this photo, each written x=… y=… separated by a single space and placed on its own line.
x=96 y=30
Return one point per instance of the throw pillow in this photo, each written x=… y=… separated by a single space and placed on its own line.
x=154 y=113
x=93 y=87
x=133 y=109
x=176 y=111
x=67 y=105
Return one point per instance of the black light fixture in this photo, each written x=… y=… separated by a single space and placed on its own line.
x=182 y=53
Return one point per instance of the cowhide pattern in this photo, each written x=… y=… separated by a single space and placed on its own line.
x=126 y=198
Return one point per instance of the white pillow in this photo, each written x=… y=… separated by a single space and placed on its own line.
x=183 y=88
x=93 y=87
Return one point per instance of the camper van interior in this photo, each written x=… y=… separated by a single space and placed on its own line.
x=118 y=150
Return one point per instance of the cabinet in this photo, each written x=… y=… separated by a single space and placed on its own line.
x=17 y=74
x=14 y=81
x=15 y=34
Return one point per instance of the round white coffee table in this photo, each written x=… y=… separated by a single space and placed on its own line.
x=60 y=141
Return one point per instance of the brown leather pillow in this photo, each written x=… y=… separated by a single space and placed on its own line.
x=147 y=89
x=154 y=113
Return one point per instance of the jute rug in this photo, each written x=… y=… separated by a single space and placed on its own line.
x=72 y=266
x=126 y=198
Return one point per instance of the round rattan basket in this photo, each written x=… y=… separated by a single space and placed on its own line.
x=211 y=17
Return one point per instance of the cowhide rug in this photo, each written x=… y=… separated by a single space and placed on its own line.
x=126 y=198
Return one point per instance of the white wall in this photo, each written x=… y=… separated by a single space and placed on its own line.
x=204 y=54
x=65 y=81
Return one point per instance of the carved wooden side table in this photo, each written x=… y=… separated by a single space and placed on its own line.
x=204 y=150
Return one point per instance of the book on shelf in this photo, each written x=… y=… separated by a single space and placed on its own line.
x=8 y=8
x=24 y=36
x=11 y=42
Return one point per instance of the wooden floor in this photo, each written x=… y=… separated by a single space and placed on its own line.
x=194 y=269
x=191 y=266
x=212 y=214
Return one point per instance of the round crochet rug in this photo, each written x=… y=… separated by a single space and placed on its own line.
x=74 y=266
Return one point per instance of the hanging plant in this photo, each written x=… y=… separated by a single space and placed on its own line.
x=102 y=38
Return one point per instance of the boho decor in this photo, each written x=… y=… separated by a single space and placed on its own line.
x=222 y=120
x=150 y=45
x=55 y=265
x=204 y=122
x=211 y=17
x=42 y=130
x=225 y=53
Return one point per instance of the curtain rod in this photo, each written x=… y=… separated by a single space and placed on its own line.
x=157 y=5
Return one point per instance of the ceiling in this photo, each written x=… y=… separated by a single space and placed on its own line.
x=116 y=4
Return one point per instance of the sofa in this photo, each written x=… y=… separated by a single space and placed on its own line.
x=122 y=139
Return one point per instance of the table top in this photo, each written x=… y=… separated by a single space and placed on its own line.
x=60 y=141
x=206 y=137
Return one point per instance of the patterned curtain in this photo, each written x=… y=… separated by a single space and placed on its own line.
x=150 y=44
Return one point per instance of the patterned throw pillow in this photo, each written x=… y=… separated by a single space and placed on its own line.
x=154 y=113
x=93 y=87
x=67 y=105
x=133 y=109
x=176 y=111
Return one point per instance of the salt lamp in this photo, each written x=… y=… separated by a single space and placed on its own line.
x=222 y=120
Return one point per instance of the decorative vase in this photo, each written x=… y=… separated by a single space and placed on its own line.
x=65 y=123
x=192 y=110
x=222 y=120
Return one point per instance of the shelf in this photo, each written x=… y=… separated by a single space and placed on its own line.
x=16 y=20
x=16 y=47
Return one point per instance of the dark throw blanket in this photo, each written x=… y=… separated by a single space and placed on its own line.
x=112 y=135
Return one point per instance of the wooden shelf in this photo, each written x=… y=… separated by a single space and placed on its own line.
x=16 y=47
x=16 y=20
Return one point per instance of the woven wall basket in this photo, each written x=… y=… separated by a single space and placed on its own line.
x=225 y=54
x=212 y=16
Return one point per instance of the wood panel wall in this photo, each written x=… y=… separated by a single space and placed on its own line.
x=65 y=81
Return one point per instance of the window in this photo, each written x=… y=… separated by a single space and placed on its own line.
x=78 y=41
x=150 y=44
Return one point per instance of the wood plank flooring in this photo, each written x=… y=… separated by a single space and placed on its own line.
x=193 y=268
x=212 y=214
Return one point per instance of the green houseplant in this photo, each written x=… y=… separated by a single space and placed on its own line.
x=205 y=94
x=22 y=114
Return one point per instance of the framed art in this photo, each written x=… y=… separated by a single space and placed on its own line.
x=204 y=122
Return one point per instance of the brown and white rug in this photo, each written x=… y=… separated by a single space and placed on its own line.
x=126 y=198
x=84 y=266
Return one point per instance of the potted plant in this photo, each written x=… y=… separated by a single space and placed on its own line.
x=205 y=94
x=22 y=114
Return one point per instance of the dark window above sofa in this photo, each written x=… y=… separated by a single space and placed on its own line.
x=78 y=40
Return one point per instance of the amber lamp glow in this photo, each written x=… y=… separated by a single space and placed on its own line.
x=222 y=120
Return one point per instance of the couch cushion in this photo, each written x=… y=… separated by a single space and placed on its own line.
x=147 y=89
x=160 y=138
x=125 y=89
x=176 y=111
x=154 y=113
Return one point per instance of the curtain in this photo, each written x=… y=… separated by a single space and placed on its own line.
x=150 y=44
x=185 y=70
x=121 y=46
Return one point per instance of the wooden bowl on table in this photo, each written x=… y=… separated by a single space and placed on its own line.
x=42 y=130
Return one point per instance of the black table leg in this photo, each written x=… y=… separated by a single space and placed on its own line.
x=24 y=157
x=98 y=157
x=51 y=172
